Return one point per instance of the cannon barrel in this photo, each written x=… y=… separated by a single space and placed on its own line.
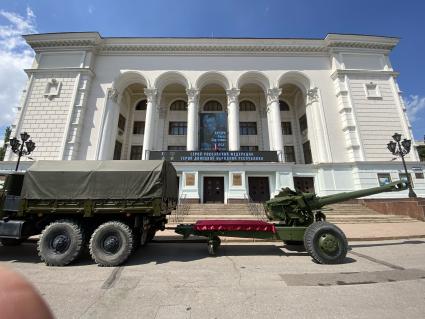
x=332 y=199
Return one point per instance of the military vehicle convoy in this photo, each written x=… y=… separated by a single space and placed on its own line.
x=110 y=207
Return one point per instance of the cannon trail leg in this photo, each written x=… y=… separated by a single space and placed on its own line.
x=213 y=244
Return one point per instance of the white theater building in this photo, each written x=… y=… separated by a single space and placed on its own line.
x=240 y=118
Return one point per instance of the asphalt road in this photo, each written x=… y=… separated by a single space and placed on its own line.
x=246 y=280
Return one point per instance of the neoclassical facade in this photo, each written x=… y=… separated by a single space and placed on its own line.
x=240 y=118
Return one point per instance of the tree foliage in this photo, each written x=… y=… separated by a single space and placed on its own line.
x=421 y=152
x=3 y=149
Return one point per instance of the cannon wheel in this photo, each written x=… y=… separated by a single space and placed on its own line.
x=111 y=244
x=213 y=245
x=326 y=243
x=61 y=243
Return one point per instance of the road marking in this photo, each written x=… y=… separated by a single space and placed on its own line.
x=377 y=261
x=113 y=278
x=352 y=278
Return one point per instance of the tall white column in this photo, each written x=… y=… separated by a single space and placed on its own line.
x=192 y=119
x=233 y=119
x=109 y=126
x=273 y=117
x=149 y=122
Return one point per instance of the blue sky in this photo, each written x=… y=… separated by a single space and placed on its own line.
x=218 y=18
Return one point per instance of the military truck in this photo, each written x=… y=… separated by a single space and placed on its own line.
x=111 y=207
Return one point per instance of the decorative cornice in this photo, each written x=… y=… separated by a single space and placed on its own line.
x=205 y=46
x=63 y=41
x=341 y=72
x=84 y=71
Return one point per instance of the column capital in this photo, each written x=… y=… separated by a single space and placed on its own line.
x=232 y=95
x=192 y=95
x=273 y=95
x=151 y=94
x=113 y=95
x=312 y=95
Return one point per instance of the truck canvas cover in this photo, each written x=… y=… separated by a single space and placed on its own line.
x=100 y=180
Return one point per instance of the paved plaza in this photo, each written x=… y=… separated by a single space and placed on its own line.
x=384 y=279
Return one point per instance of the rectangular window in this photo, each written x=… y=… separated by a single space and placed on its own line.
x=308 y=159
x=384 y=179
x=136 y=152
x=117 y=150
x=286 y=128
x=176 y=147
x=248 y=128
x=121 y=123
x=403 y=177
x=177 y=128
x=303 y=123
x=250 y=148
x=419 y=175
x=289 y=152
x=138 y=127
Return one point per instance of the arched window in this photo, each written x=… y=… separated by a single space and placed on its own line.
x=179 y=105
x=213 y=106
x=283 y=106
x=245 y=106
x=141 y=106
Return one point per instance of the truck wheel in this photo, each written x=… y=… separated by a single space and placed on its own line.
x=111 y=244
x=60 y=243
x=11 y=241
x=326 y=243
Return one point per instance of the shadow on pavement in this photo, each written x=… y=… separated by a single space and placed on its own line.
x=26 y=253
x=406 y=242
x=164 y=253
x=160 y=253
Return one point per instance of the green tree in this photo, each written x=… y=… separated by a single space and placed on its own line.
x=3 y=149
x=421 y=152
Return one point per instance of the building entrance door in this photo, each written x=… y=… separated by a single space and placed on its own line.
x=304 y=184
x=259 y=190
x=213 y=189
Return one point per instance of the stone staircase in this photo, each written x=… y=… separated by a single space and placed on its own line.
x=355 y=213
x=344 y=213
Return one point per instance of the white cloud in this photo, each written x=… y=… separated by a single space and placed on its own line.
x=15 y=55
x=90 y=9
x=415 y=105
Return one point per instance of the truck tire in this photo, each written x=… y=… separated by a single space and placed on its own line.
x=111 y=244
x=11 y=241
x=60 y=243
x=326 y=243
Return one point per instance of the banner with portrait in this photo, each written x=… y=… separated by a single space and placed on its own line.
x=213 y=132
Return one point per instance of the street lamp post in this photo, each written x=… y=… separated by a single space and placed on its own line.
x=401 y=148
x=18 y=147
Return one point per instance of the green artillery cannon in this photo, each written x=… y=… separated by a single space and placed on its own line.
x=294 y=208
x=298 y=219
